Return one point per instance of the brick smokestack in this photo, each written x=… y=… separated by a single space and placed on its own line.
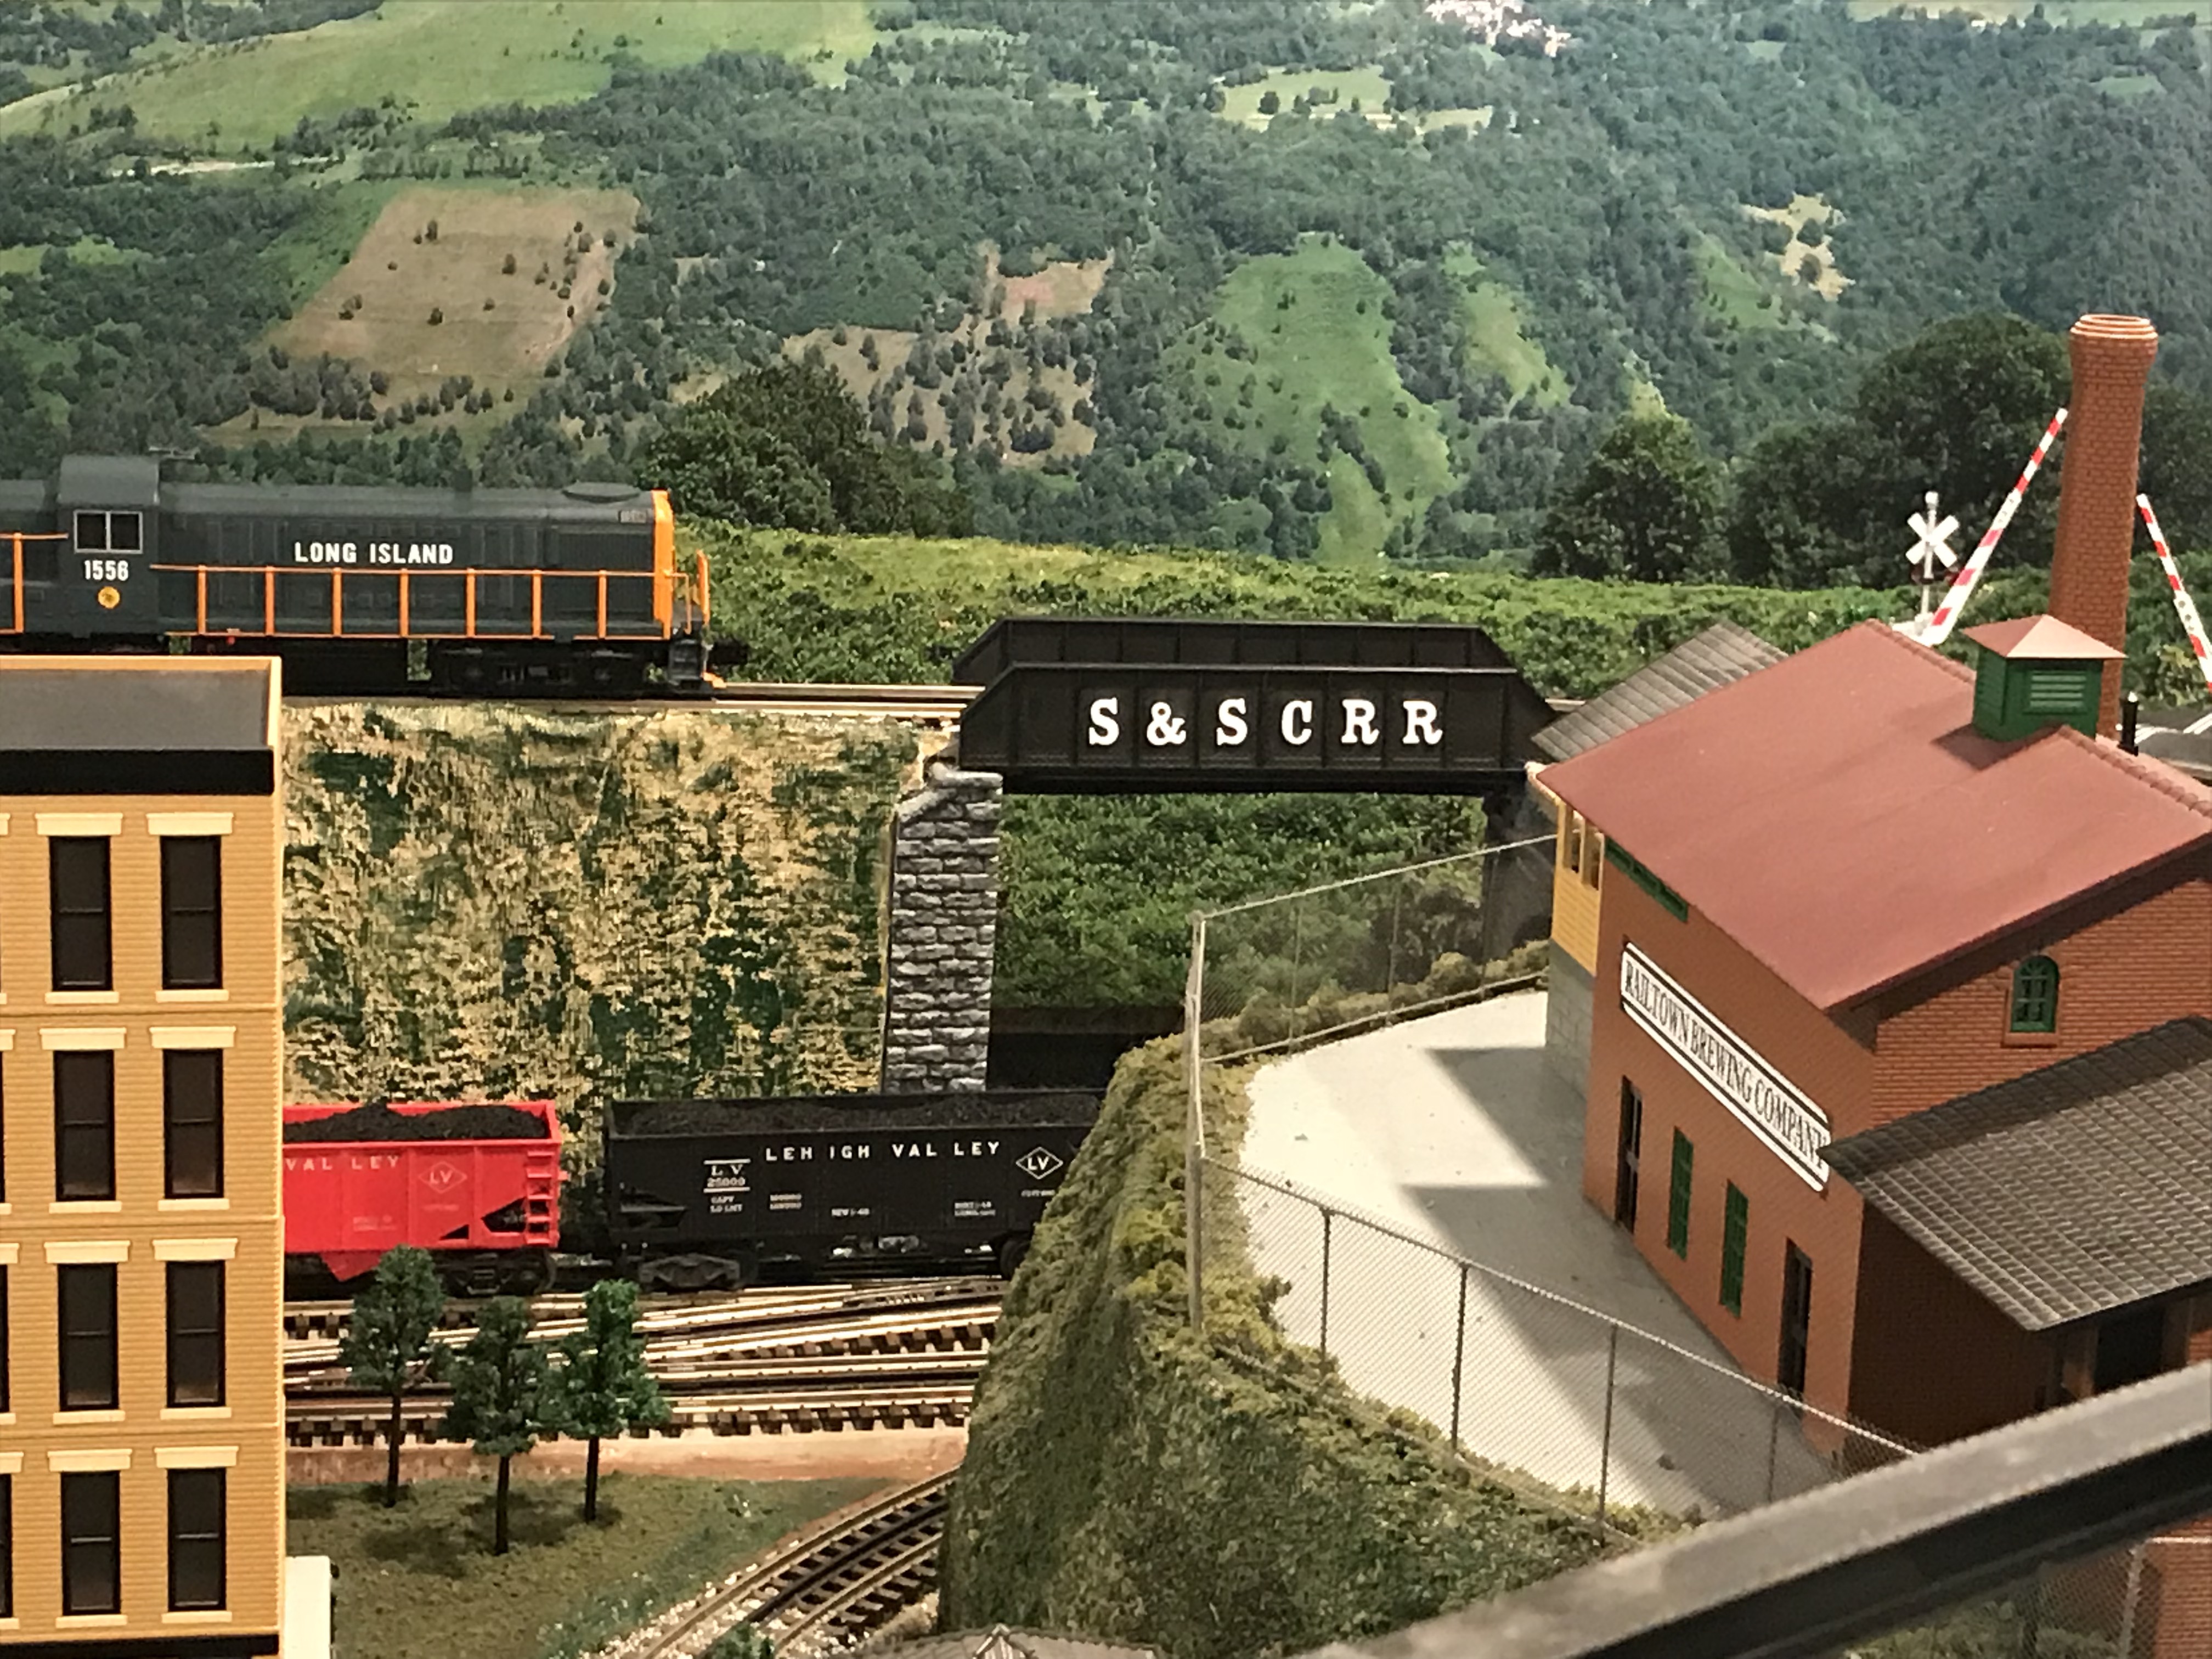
x=2097 y=486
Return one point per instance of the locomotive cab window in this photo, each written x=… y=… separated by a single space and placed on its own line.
x=107 y=533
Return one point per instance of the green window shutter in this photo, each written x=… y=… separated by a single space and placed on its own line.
x=2035 y=995
x=1733 y=1234
x=1678 y=1198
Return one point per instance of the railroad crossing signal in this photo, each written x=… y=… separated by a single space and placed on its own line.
x=1932 y=543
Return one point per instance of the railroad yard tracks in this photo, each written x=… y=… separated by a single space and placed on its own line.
x=845 y=1356
x=820 y=1590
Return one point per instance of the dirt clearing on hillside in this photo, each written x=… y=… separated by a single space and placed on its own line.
x=486 y=284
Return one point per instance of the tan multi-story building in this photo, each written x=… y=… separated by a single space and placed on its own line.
x=142 y=1427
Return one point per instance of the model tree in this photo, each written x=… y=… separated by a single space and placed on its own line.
x=602 y=1386
x=387 y=1349
x=499 y=1394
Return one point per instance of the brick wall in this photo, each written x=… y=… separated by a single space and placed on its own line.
x=2118 y=974
x=2111 y=357
x=1829 y=1061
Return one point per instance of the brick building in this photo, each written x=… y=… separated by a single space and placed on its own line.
x=1900 y=1070
x=142 y=1412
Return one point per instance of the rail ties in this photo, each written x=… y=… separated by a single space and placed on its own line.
x=820 y=1590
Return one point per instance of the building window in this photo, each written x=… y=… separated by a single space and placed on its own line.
x=108 y=532
x=1734 y=1232
x=3 y=1127
x=2035 y=995
x=195 y=1332
x=76 y=869
x=84 y=1125
x=195 y=1540
x=7 y=1547
x=1678 y=1197
x=1668 y=899
x=3 y=1339
x=191 y=1123
x=91 y=1549
x=88 y=1321
x=1571 y=839
x=191 y=913
x=1593 y=855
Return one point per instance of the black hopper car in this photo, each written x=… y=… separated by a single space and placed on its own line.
x=487 y=593
x=704 y=1193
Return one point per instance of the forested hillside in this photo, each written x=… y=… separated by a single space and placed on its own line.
x=1298 y=276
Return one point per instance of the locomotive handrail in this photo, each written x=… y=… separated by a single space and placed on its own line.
x=16 y=582
x=468 y=578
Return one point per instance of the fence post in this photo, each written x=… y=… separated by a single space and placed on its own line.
x=1327 y=1215
x=1459 y=1354
x=1605 y=1440
x=2127 y=1646
x=1193 y=1154
x=1773 y=1444
x=1297 y=950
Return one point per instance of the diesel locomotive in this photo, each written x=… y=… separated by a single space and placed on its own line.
x=489 y=592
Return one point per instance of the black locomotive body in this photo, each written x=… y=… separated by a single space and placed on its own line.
x=491 y=592
x=704 y=1193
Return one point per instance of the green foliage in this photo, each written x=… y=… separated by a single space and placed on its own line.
x=1957 y=411
x=1647 y=509
x=1261 y=1505
x=601 y=1386
x=499 y=1384
x=746 y=1641
x=500 y=1403
x=386 y=1349
x=786 y=446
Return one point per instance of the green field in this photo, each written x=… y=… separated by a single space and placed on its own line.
x=1732 y=293
x=420 y=1582
x=445 y=55
x=88 y=250
x=1497 y=339
x=1367 y=84
x=1314 y=324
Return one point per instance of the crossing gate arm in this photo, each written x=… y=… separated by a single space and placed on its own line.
x=1807 y=1576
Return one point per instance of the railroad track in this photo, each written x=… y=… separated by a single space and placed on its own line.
x=924 y=704
x=701 y=1406
x=821 y=1589
x=308 y=1322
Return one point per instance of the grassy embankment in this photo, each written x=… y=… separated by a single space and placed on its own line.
x=420 y=1582
x=1221 y=1498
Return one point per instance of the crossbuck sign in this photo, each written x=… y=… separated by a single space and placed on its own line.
x=1733 y=1072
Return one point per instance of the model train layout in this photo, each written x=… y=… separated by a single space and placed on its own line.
x=698 y=1194
x=359 y=590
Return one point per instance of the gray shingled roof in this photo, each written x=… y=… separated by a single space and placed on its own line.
x=1000 y=1643
x=2066 y=1194
x=198 y=709
x=1720 y=656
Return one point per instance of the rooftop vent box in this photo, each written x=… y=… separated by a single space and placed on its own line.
x=2033 y=672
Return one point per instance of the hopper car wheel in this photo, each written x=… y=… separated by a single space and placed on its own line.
x=1011 y=1254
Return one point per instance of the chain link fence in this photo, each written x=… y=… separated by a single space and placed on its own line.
x=1578 y=1407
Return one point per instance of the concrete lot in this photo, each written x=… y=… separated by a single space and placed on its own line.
x=1451 y=1130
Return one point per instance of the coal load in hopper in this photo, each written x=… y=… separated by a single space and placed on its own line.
x=378 y=1121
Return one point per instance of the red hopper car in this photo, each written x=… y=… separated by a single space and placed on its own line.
x=477 y=1184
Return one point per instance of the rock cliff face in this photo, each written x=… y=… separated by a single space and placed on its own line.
x=486 y=900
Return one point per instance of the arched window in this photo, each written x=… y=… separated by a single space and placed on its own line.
x=2035 y=995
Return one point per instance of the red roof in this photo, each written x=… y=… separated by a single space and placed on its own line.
x=1839 y=817
x=2043 y=639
